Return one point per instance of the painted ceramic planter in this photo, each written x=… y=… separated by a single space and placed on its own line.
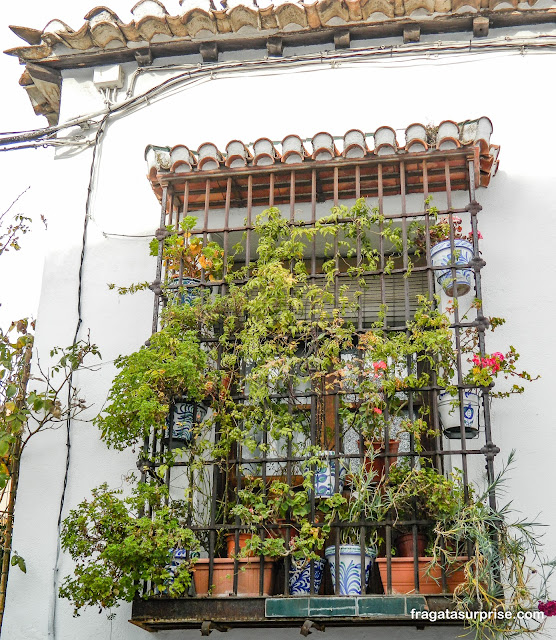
x=187 y=295
x=325 y=476
x=450 y=415
x=300 y=577
x=441 y=255
x=178 y=557
x=350 y=567
x=248 y=575
x=186 y=415
x=430 y=582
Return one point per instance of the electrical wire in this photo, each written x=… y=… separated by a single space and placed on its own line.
x=97 y=143
x=532 y=44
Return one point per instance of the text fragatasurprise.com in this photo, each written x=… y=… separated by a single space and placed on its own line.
x=447 y=614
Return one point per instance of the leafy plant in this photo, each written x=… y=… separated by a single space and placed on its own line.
x=187 y=254
x=116 y=543
x=505 y=575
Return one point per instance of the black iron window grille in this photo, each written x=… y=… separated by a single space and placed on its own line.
x=332 y=428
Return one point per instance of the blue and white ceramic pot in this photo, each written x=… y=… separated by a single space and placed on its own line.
x=186 y=415
x=350 y=567
x=188 y=294
x=325 y=475
x=442 y=255
x=300 y=577
x=450 y=414
x=178 y=557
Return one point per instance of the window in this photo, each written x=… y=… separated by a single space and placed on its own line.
x=319 y=439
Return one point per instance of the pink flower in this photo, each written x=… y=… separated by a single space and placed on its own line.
x=476 y=360
x=498 y=355
x=456 y=220
x=379 y=365
x=479 y=235
x=548 y=608
x=377 y=411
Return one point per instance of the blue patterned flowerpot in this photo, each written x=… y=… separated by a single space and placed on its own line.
x=300 y=578
x=441 y=255
x=187 y=295
x=178 y=557
x=450 y=415
x=186 y=415
x=350 y=567
x=325 y=476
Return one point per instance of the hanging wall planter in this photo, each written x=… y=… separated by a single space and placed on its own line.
x=185 y=416
x=450 y=414
x=350 y=567
x=190 y=290
x=300 y=577
x=442 y=255
x=325 y=476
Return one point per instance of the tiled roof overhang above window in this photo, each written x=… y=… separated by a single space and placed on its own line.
x=106 y=38
x=421 y=164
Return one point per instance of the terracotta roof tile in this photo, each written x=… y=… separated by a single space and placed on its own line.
x=151 y=20
x=419 y=139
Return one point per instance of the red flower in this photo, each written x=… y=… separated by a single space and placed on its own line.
x=548 y=608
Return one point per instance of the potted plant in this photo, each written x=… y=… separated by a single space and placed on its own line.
x=279 y=515
x=420 y=493
x=387 y=365
x=364 y=503
x=185 y=256
x=112 y=541
x=449 y=248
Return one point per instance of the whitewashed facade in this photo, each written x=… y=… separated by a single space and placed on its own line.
x=424 y=82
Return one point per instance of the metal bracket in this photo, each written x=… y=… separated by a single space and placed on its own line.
x=208 y=626
x=490 y=451
x=311 y=624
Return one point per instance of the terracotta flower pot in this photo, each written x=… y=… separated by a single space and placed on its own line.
x=231 y=543
x=248 y=577
x=405 y=546
x=403 y=581
x=378 y=465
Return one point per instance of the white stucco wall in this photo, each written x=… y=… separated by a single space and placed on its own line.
x=518 y=223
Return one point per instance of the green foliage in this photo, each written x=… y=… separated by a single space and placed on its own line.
x=173 y=363
x=364 y=502
x=116 y=544
x=279 y=338
x=18 y=561
x=505 y=571
x=423 y=493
